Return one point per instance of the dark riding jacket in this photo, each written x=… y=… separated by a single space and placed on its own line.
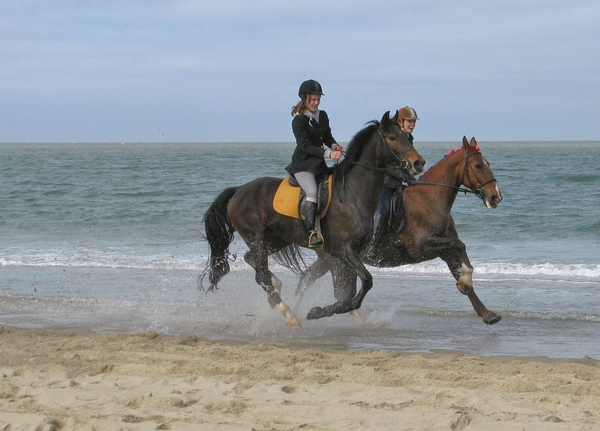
x=395 y=177
x=311 y=137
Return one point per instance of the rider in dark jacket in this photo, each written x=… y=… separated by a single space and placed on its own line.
x=314 y=144
x=393 y=185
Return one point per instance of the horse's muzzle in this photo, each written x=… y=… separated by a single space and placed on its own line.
x=490 y=200
x=419 y=165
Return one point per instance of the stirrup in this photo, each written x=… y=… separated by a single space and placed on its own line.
x=373 y=251
x=315 y=239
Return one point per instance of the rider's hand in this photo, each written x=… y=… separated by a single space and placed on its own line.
x=335 y=155
x=338 y=147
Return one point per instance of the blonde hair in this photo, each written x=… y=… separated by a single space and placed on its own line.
x=300 y=107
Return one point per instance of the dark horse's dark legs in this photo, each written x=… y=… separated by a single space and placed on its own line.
x=264 y=277
x=258 y=259
x=270 y=280
x=344 y=273
x=310 y=276
x=454 y=253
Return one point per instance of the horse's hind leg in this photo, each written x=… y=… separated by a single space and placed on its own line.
x=455 y=256
x=265 y=278
x=276 y=282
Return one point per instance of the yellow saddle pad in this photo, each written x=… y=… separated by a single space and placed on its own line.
x=286 y=200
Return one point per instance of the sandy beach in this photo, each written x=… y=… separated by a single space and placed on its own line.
x=52 y=380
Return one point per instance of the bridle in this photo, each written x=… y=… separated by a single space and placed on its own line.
x=477 y=192
x=404 y=164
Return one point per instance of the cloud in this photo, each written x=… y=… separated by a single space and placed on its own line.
x=229 y=71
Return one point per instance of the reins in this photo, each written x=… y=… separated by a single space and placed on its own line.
x=459 y=189
x=404 y=164
x=477 y=192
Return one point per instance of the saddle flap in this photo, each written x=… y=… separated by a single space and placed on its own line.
x=288 y=197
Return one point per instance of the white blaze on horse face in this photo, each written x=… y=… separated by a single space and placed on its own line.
x=465 y=281
x=486 y=198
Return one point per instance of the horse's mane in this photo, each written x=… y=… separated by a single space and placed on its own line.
x=449 y=153
x=356 y=146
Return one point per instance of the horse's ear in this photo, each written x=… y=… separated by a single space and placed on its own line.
x=470 y=146
x=385 y=120
x=395 y=117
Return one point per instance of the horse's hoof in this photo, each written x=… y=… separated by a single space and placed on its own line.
x=294 y=324
x=492 y=318
x=315 y=313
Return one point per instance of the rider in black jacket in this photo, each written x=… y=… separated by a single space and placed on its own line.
x=314 y=144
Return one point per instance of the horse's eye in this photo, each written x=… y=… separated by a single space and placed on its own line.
x=392 y=138
x=478 y=166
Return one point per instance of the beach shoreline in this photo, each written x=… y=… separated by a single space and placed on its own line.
x=79 y=380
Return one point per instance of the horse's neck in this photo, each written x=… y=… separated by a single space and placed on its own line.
x=364 y=180
x=447 y=172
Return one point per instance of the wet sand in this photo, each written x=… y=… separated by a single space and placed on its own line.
x=57 y=380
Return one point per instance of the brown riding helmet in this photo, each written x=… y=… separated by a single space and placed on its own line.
x=407 y=113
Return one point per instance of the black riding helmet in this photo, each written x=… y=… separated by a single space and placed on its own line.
x=311 y=87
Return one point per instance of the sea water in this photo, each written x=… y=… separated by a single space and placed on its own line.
x=108 y=238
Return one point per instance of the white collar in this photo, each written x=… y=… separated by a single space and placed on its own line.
x=312 y=116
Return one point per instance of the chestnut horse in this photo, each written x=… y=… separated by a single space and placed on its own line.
x=346 y=228
x=428 y=231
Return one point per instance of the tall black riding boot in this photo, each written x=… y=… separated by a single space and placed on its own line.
x=315 y=238
x=381 y=223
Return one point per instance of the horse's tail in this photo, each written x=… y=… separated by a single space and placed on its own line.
x=292 y=258
x=219 y=234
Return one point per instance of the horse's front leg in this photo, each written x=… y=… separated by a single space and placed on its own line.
x=344 y=276
x=259 y=260
x=454 y=253
x=310 y=276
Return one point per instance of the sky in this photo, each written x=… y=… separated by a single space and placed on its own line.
x=229 y=71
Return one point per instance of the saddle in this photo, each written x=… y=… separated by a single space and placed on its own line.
x=289 y=197
x=396 y=216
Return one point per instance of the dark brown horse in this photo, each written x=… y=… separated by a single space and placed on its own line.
x=428 y=231
x=347 y=226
